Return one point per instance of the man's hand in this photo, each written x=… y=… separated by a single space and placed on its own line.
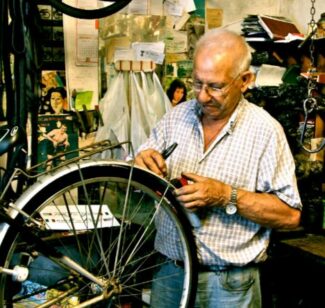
x=152 y=160
x=202 y=192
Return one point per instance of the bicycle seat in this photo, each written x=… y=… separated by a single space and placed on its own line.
x=10 y=137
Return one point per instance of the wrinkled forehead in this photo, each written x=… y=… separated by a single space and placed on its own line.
x=213 y=62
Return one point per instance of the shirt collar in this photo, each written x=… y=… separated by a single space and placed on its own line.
x=230 y=126
x=235 y=116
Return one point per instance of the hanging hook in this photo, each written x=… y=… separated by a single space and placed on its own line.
x=310 y=104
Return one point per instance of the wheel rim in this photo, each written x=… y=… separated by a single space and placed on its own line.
x=91 y=13
x=122 y=255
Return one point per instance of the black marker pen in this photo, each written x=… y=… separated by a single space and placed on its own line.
x=167 y=152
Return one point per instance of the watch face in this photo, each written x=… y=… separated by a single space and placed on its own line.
x=231 y=209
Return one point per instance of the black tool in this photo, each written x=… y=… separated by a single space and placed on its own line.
x=167 y=152
x=179 y=182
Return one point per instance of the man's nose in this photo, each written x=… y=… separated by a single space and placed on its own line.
x=203 y=95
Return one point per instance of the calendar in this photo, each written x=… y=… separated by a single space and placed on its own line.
x=86 y=43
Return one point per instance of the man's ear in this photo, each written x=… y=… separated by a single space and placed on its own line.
x=248 y=77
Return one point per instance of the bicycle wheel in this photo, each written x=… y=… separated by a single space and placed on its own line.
x=89 y=14
x=105 y=219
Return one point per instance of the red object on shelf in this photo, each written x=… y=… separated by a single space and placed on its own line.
x=320 y=77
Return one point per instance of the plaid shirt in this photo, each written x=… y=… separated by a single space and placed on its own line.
x=251 y=153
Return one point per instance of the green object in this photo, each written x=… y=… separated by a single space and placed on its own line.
x=200 y=8
x=83 y=99
x=291 y=75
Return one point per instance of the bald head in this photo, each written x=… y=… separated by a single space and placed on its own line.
x=223 y=42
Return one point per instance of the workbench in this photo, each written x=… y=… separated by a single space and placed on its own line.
x=294 y=275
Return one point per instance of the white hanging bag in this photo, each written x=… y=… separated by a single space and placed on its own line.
x=156 y=100
x=115 y=112
x=139 y=118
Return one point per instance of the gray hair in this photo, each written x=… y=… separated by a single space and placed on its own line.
x=227 y=41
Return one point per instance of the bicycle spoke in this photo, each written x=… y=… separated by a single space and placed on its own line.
x=136 y=247
x=93 y=220
x=106 y=228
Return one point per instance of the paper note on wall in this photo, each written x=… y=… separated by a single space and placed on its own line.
x=214 y=18
x=176 y=41
x=78 y=78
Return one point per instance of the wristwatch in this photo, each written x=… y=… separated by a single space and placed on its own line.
x=231 y=207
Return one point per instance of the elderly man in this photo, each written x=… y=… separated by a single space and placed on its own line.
x=240 y=170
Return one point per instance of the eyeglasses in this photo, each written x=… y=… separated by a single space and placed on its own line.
x=212 y=88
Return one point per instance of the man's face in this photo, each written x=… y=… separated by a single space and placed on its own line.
x=215 y=88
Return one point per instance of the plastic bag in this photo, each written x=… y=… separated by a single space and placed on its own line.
x=157 y=102
x=132 y=119
x=140 y=128
x=115 y=113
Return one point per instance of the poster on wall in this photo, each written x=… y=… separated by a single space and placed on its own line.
x=57 y=136
x=54 y=96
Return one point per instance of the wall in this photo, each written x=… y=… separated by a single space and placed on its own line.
x=235 y=10
x=294 y=8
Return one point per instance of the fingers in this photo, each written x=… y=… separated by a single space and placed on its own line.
x=190 y=196
x=202 y=192
x=152 y=160
x=193 y=177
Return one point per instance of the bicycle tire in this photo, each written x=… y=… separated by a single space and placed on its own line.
x=89 y=14
x=110 y=184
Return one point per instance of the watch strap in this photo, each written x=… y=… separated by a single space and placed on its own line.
x=233 y=195
x=231 y=207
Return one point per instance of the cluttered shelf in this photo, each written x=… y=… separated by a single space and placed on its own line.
x=293 y=48
x=281 y=41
